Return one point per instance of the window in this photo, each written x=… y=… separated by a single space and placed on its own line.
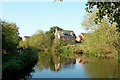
x=63 y=33
x=72 y=39
x=72 y=34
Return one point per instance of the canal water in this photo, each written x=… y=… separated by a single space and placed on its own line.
x=56 y=66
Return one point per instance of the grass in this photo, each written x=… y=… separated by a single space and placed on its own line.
x=80 y=49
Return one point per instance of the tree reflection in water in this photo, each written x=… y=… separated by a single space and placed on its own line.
x=102 y=68
x=94 y=67
x=53 y=61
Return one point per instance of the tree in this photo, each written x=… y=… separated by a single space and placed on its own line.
x=51 y=32
x=56 y=45
x=57 y=0
x=103 y=38
x=10 y=36
x=89 y=21
x=39 y=40
x=109 y=9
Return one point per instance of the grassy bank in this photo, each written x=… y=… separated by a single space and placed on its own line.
x=18 y=65
x=71 y=50
x=77 y=50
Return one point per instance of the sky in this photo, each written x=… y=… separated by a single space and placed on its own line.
x=33 y=16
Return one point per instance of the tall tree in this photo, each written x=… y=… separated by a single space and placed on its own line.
x=39 y=40
x=89 y=21
x=10 y=35
x=51 y=32
x=110 y=9
x=103 y=38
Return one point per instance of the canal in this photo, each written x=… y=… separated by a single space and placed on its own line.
x=52 y=65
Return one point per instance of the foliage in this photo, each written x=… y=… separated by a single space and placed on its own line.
x=51 y=32
x=78 y=51
x=57 y=43
x=66 y=50
x=88 y=22
x=71 y=50
x=58 y=0
x=52 y=61
x=14 y=65
x=47 y=60
x=24 y=44
x=15 y=60
x=109 y=9
x=104 y=39
x=40 y=40
x=10 y=36
x=63 y=42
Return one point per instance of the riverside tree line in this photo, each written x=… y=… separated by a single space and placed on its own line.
x=102 y=39
x=17 y=54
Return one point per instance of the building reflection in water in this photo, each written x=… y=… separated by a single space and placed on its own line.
x=81 y=61
x=68 y=61
x=96 y=67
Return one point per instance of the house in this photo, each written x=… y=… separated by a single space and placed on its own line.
x=25 y=37
x=80 y=38
x=66 y=35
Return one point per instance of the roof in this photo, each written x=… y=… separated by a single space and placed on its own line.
x=69 y=33
x=82 y=35
x=27 y=36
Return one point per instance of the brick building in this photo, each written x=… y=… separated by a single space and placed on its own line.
x=66 y=35
x=81 y=37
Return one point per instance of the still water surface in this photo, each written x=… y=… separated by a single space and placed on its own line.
x=56 y=66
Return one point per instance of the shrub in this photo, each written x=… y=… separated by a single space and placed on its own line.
x=17 y=63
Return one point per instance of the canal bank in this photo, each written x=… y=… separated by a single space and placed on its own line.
x=18 y=65
x=51 y=65
x=79 y=49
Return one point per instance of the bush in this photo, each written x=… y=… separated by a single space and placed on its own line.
x=11 y=67
x=78 y=51
x=17 y=63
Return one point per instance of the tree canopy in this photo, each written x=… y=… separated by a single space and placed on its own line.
x=51 y=32
x=39 y=40
x=10 y=35
x=103 y=38
x=109 y=9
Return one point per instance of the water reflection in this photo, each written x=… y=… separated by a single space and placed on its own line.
x=81 y=67
x=102 y=68
x=53 y=61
